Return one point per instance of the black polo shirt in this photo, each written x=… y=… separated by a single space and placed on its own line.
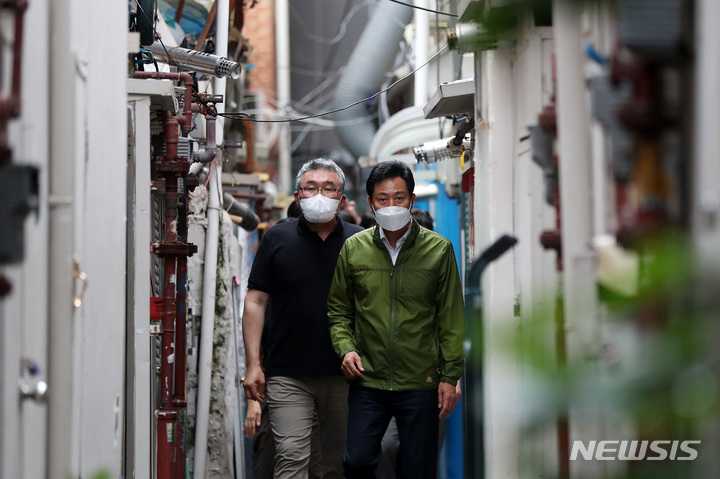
x=295 y=267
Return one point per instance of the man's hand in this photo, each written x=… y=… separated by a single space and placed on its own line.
x=352 y=365
x=252 y=419
x=254 y=383
x=447 y=399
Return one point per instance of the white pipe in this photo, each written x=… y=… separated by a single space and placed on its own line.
x=207 y=326
x=282 y=67
x=238 y=429
x=63 y=451
x=575 y=168
x=422 y=34
x=706 y=143
x=574 y=158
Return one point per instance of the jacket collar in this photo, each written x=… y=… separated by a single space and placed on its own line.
x=415 y=230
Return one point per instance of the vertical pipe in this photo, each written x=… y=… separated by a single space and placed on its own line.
x=167 y=355
x=573 y=149
x=282 y=67
x=167 y=420
x=62 y=458
x=167 y=417
x=422 y=34
x=575 y=173
x=179 y=396
x=210 y=267
x=207 y=324
x=495 y=176
x=706 y=170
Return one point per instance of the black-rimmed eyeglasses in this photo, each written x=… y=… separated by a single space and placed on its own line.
x=313 y=190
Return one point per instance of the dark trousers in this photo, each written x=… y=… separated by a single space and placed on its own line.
x=416 y=414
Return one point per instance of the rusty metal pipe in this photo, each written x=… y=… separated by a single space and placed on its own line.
x=170 y=128
x=210 y=151
x=20 y=7
x=167 y=354
x=179 y=396
x=178 y=12
x=167 y=422
x=186 y=118
x=10 y=103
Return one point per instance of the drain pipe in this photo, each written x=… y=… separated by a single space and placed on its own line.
x=366 y=70
x=420 y=45
x=284 y=98
x=575 y=176
x=207 y=326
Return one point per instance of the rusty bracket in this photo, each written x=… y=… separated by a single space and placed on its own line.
x=173 y=249
x=181 y=166
x=156 y=329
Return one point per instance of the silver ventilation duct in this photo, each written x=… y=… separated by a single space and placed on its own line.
x=365 y=73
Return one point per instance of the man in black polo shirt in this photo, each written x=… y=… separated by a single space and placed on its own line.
x=291 y=275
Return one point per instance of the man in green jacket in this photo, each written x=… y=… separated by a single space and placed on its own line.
x=396 y=319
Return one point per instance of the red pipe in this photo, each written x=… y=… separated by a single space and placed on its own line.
x=166 y=461
x=10 y=104
x=168 y=413
x=179 y=397
x=170 y=128
x=186 y=118
x=171 y=422
x=167 y=356
x=178 y=12
x=20 y=7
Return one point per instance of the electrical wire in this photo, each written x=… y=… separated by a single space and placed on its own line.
x=341 y=31
x=246 y=117
x=425 y=9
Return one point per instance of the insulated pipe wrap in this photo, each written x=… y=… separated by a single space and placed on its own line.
x=365 y=73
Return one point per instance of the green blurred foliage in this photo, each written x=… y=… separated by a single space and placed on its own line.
x=653 y=366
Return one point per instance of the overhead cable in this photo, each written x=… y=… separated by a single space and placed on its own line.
x=245 y=117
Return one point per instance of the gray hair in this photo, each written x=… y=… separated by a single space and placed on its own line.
x=321 y=164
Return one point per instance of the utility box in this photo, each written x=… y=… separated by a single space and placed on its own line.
x=18 y=196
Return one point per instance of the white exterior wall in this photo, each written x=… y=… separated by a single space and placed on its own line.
x=23 y=314
x=73 y=126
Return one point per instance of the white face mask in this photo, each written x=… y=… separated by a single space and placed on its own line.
x=392 y=218
x=319 y=208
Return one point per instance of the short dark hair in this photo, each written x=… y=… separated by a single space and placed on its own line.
x=367 y=219
x=423 y=218
x=390 y=169
x=345 y=216
x=293 y=210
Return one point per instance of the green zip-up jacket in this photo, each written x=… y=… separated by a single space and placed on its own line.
x=405 y=321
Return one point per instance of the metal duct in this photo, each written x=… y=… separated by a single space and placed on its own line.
x=250 y=220
x=365 y=73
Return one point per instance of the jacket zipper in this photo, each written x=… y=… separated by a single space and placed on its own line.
x=392 y=327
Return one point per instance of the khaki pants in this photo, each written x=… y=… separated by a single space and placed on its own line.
x=298 y=404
